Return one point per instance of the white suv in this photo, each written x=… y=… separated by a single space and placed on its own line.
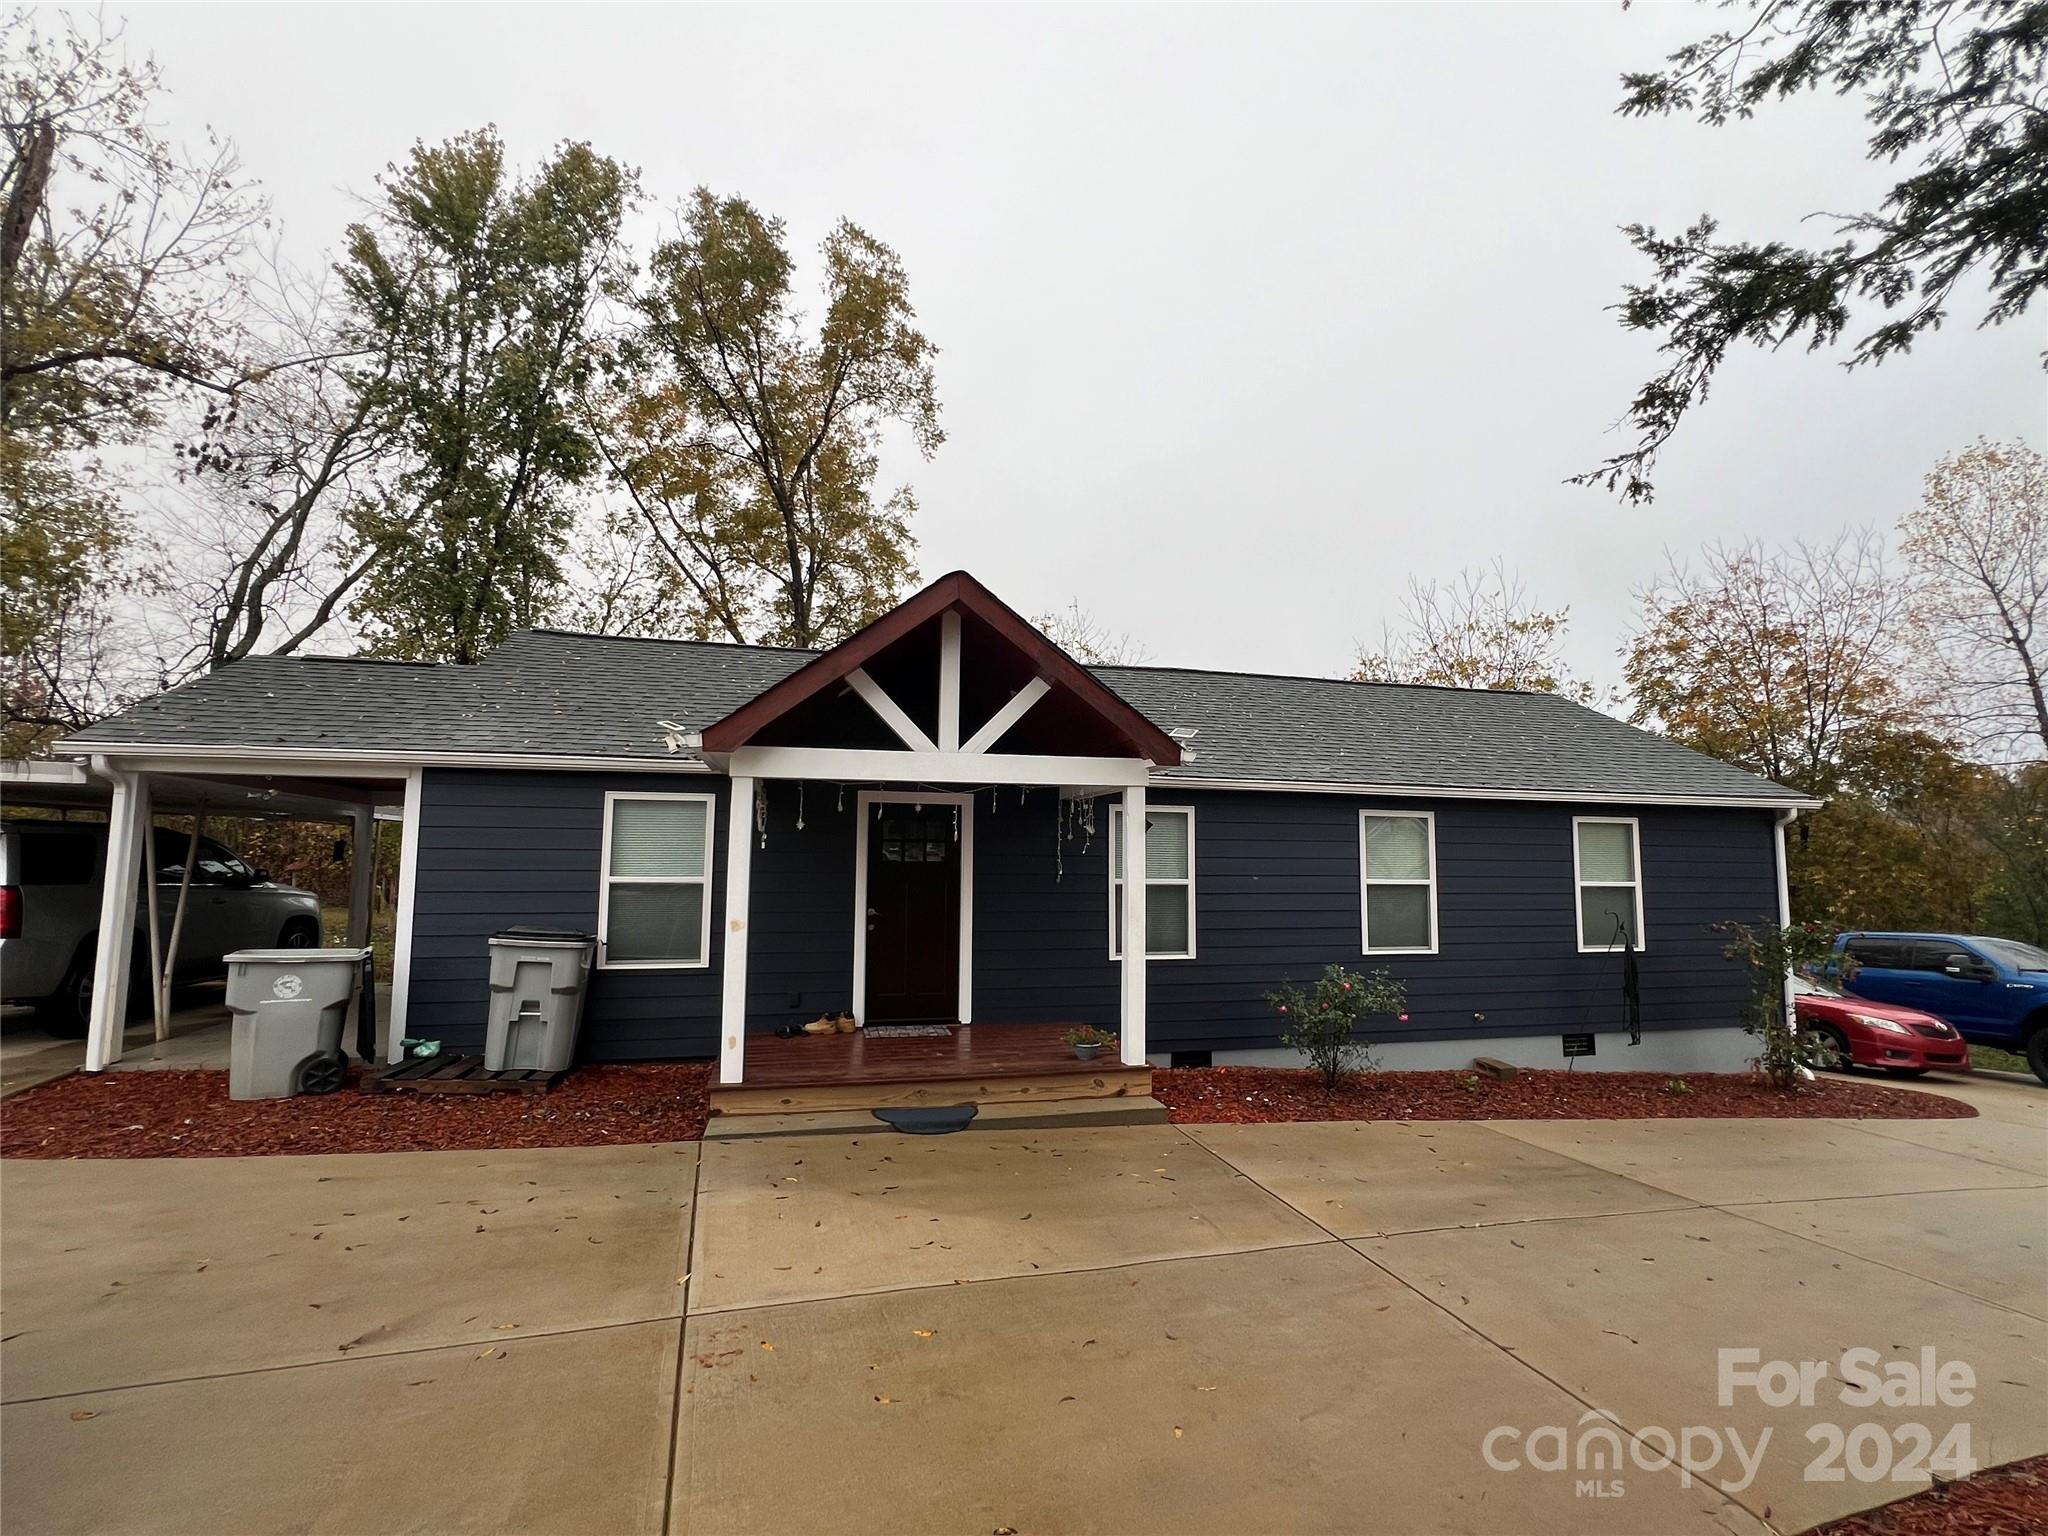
x=50 y=878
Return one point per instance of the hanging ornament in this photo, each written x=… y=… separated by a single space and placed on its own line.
x=956 y=823
x=761 y=812
x=799 y=805
x=840 y=803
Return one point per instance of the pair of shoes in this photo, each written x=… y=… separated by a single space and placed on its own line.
x=844 y=1023
x=825 y=1025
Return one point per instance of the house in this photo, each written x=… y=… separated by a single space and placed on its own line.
x=947 y=819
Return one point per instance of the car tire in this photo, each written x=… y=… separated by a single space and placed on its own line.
x=67 y=1013
x=299 y=933
x=2037 y=1051
x=1837 y=1045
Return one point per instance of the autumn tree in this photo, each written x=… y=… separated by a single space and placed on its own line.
x=1976 y=549
x=749 y=441
x=119 y=295
x=1481 y=631
x=473 y=291
x=1952 y=92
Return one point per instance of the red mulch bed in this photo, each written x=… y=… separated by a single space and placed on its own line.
x=2005 y=1501
x=189 y=1114
x=1258 y=1095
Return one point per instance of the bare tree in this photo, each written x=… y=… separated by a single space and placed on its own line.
x=1977 y=551
x=1085 y=637
x=1480 y=631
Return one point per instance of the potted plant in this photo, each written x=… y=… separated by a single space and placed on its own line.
x=1088 y=1041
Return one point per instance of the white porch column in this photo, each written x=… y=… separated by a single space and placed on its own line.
x=1134 y=927
x=401 y=932
x=127 y=821
x=739 y=859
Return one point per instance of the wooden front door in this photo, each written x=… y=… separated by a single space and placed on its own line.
x=913 y=916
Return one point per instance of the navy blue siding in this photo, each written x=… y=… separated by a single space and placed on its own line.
x=1277 y=898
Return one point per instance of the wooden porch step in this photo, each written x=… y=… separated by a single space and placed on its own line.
x=1114 y=1082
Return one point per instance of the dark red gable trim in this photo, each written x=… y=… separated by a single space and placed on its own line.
x=959 y=590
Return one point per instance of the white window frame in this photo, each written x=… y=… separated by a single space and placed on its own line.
x=1579 y=882
x=605 y=881
x=1116 y=882
x=1366 y=880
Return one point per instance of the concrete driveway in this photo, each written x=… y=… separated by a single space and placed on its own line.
x=1301 y=1328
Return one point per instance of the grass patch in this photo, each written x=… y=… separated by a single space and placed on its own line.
x=1991 y=1059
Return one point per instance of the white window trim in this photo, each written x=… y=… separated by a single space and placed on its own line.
x=1116 y=884
x=605 y=880
x=1366 y=881
x=1635 y=833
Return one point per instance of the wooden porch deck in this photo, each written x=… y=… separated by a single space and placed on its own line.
x=976 y=1064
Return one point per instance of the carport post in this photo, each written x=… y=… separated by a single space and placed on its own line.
x=127 y=820
x=362 y=853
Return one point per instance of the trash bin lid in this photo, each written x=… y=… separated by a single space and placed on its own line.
x=526 y=934
x=297 y=956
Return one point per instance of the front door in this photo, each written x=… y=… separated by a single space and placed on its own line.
x=913 y=916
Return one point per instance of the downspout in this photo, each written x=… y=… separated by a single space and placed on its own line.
x=1784 y=819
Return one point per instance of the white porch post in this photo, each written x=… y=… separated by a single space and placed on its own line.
x=1134 y=927
x=739 y=855
x=401 y=933
x=127 y=821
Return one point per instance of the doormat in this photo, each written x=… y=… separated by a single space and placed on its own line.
x=928 y=1122
x=907 y=1031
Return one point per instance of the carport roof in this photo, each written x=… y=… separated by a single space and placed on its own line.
x=552 y=694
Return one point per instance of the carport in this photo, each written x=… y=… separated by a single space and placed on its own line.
x=131 y=789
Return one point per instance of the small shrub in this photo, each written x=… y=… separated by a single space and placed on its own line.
x=1470 y=1082
x=1322 y=1021
x=1678 y=1087
x=1786 y=1054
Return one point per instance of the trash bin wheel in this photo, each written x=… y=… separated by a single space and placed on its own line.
x=323 y=1074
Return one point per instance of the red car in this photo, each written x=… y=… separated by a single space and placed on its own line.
x=1860 y=1033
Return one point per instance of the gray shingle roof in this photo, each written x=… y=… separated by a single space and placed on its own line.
x=546 y=693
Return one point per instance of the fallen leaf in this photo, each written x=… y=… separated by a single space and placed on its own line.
x=885 y=1400
x=80 y=1415
x=925 y=1333
x=1205 y=1389
x=767 y=1346
x=488 y=1353
x=505 y=1327
x=1176 y=1431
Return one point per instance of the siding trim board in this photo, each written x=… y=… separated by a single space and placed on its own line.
x=1280 y=896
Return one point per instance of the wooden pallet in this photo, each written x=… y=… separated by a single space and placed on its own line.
x=455 y=1074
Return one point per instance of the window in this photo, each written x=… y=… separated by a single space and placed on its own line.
x=1397 y=870
x=1606 y=854
x=654 y=907
x=1880 y=954
x=1169 y=883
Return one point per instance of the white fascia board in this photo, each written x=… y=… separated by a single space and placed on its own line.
x=933 y=767
x=153 y=757
x=1440 y=792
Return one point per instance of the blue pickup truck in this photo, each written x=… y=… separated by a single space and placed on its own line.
x=1994 y=991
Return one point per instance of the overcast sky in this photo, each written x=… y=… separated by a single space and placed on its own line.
x=1244 y=314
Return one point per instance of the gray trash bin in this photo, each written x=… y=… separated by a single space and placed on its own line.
x=288 y=1007
x=538 y=978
